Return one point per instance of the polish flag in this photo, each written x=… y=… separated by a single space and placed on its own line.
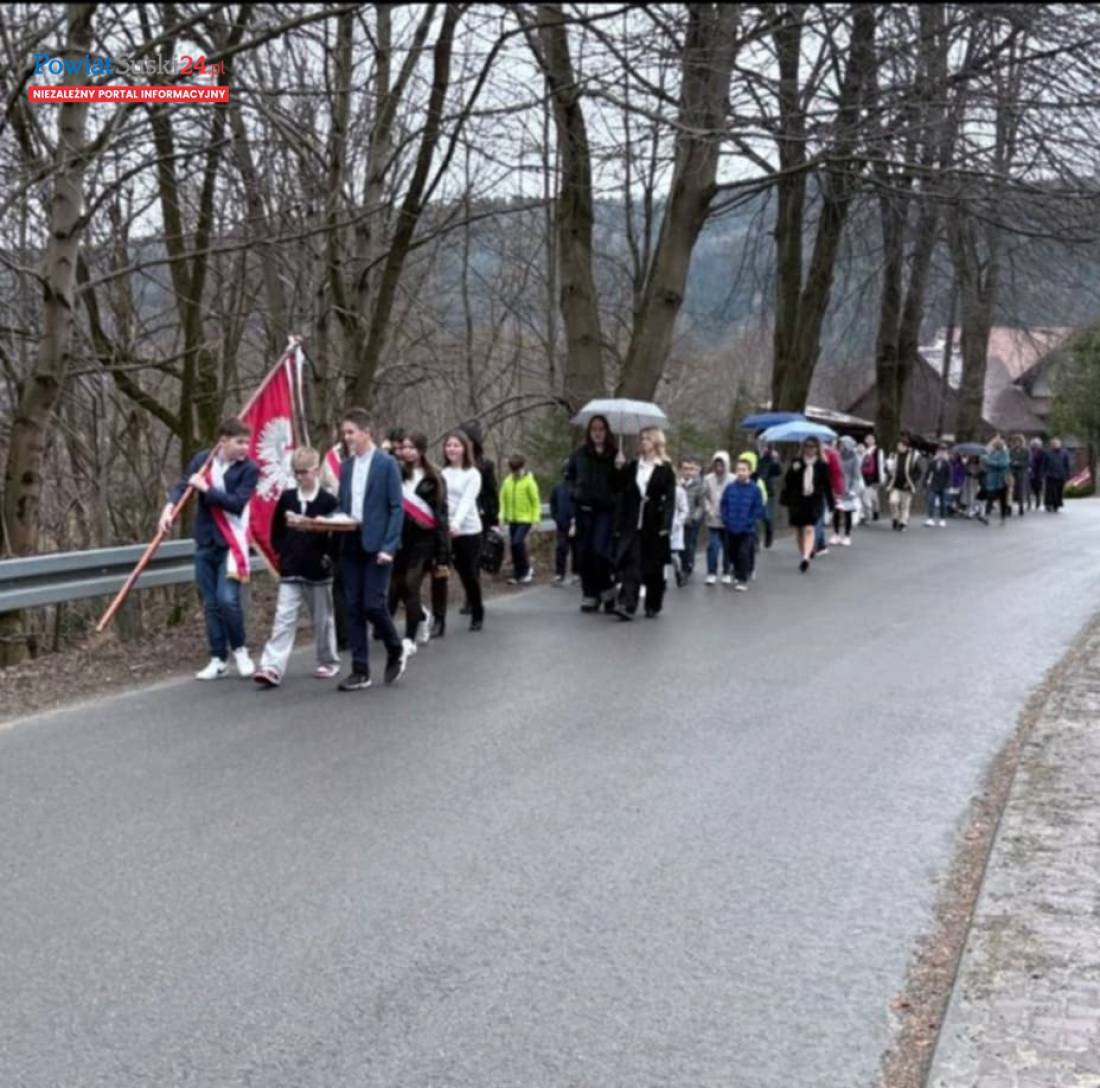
x=273 y=416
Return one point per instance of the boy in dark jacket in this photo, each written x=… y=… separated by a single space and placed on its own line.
x=938 y=481
x=305 y=573
x=742 y=507
x=561 y=510
x=225 y=479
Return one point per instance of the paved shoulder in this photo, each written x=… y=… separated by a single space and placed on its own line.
x=1026 y=1007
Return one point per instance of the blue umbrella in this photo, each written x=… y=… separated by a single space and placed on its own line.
x=762 y=420
x=797 y=431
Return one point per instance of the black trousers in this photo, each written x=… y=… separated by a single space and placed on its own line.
x=1052 y=500
x=465 y=557
x=743 y=546
x=594 y=550
x=1000 y=498
x=410 y=566
x=642 y=562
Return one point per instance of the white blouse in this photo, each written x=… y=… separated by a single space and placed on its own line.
x=463 y=489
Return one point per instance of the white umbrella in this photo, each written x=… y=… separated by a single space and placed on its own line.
x=625 y=416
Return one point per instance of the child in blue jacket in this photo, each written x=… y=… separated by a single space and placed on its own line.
x=742 y=508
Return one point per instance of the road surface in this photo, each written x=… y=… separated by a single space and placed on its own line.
x=696 y=851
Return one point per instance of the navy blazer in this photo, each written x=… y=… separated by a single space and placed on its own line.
x=382 y=517
x=240 y=482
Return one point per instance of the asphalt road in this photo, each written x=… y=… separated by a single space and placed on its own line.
x=564 y=852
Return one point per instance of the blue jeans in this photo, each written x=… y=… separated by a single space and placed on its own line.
x=221 y=601
x=717 y=542
x=366 y=587
x=691 y=545
x=937 y=498
x=517 y=536
x=819 y=531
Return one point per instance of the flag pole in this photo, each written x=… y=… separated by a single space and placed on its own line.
x=155 y=543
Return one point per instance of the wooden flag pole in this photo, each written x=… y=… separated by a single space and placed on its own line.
x=155 y=543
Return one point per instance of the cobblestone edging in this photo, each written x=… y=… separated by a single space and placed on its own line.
x=1025 y=1012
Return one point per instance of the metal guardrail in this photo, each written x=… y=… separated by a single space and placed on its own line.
x=39 y=580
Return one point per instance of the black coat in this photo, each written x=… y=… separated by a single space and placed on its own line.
x=593 y=478
x=419 y=540
x=654 y=514
x=806 y=509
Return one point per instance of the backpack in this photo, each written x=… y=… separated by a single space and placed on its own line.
x=870 y=467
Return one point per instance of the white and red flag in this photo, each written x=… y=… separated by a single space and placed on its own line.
x=274 y=414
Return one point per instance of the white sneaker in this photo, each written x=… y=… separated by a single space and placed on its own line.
x=424 y=628
x=846 y=541
x=244 y=664
x=727 y=579
x=528 y=577
x=409 y=646
x=740 y=587
x=712 y=579
x=943 y=524
x=930 y=521
x=834 y=539
x=214 y=670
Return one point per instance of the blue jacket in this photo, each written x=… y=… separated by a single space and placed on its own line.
x=240 y=481
x=561 y=506
x=381 y=517
x=742 y=507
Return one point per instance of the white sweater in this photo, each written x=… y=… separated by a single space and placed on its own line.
x=463 y=488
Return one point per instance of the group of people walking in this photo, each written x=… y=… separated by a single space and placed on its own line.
x=396 y=520
x=371 y=522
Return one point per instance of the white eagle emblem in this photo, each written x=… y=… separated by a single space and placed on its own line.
x=273 y=451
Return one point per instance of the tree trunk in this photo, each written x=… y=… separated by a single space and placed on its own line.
x=409 y=214
x=43 y=388
x=796 y=350
x=790 y=193
x=710 y=48
x=584 y=369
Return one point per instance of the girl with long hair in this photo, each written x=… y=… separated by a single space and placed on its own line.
x=424 y=534
x=463 y=480
x=591 y=474
x=644 y=525
x=807 y=490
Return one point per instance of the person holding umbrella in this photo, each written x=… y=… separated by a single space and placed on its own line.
x=591 y=474
x=807 y=490
x=644 y=525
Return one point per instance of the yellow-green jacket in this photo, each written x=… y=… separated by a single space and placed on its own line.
x=519 y=499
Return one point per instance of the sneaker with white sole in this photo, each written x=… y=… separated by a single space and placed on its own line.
x=943 y=524
x=740 y=587
x=266 y=678
x=834 y=539
x=326 y=672
x=398 y=662
x=930 y=521
x=424 y=629
x=712 y=579
x=215 y=669
x=243 y=661
x=727 y=579
x=528 y=577
x=846 y=541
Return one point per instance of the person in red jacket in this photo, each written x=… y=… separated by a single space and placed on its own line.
x=831 y=458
